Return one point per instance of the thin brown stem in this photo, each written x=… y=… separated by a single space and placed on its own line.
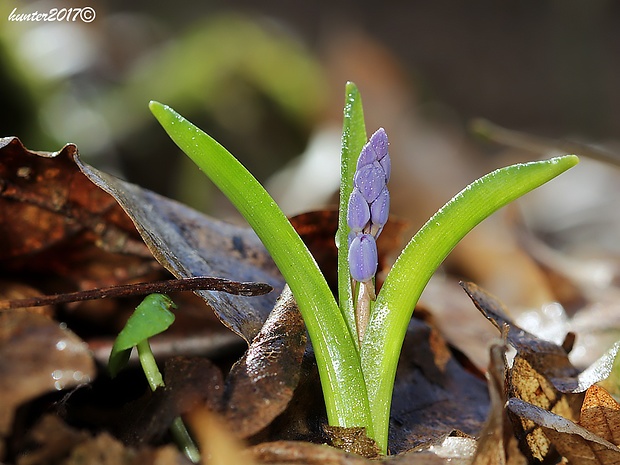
x=362 y=308
x=173 y=285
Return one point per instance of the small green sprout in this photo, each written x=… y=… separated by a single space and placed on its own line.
x=151 y=317
x=357 y=365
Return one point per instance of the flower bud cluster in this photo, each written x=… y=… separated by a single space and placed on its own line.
x=369 y=205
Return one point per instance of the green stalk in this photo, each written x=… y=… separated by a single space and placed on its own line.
x=353 y=139
x=413 y=269
x=337 y=357
x=177 y=428
x=149 y=365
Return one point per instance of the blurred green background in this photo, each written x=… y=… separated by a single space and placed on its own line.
x=266 y=79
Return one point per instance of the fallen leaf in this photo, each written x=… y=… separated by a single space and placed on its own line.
x=61 y=233
x=52 y=200
x=529 y=379
x=496 y=443
x=287 y=452
x=261 y=384
x=575 y=443
x=450 y=450
x=433 y=394
x=37 y=355
x=103 y=449
x=190 y=244
x=600 y=414
x=53 y=442
x=546 y=357
x=598 y=371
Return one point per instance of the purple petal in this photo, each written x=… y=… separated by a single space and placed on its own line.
x=379 y=212
x=358 y=213
x=367 y=156
x=363 y=259
x=370 y=180
x=379 y=142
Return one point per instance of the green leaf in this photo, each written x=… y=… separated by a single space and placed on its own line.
x=421 y=257
x=151 y=317
x=353 y=139
x=337 y=357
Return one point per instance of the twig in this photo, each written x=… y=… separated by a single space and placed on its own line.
x=173 y=285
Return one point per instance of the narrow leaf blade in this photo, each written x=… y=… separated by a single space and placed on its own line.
x=337 y=357
x=353 y=139
x=422 y=256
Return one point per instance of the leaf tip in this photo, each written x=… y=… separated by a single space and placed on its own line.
x=564 y=163
x=571 y=160
x=154 y=104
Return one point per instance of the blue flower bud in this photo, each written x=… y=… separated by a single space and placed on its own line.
x=369 y=205
x=358 y=213
x=379 y=212
x=370 y=180
x=363 y=258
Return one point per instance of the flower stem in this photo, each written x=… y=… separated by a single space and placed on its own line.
x=153 y=376
x=366 y=295
x=149 y=365
x=184 y=440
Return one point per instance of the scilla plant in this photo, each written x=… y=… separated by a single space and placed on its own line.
x=357 y=338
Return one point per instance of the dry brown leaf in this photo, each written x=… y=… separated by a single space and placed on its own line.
x=57 y=224
x=496 y=443
x=52 y=442
x=529 y=379
x=600 y=413
x=261 y=384
x=188 y=243
x=37 y=355
x=44 y=199
x=434 y=394
x=578 y=445
x=450 y=450
x=104 y=449
x=289 y=452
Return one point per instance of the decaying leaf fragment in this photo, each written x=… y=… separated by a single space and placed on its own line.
x=496 y=443
x=352 y=440
x=535 y=362
x=434 y=395
x=44 y=199
x=545 y=395
x=188 y=244
x=600 y=413
x=261 y=384
x=575 y=443
x=37 y=355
